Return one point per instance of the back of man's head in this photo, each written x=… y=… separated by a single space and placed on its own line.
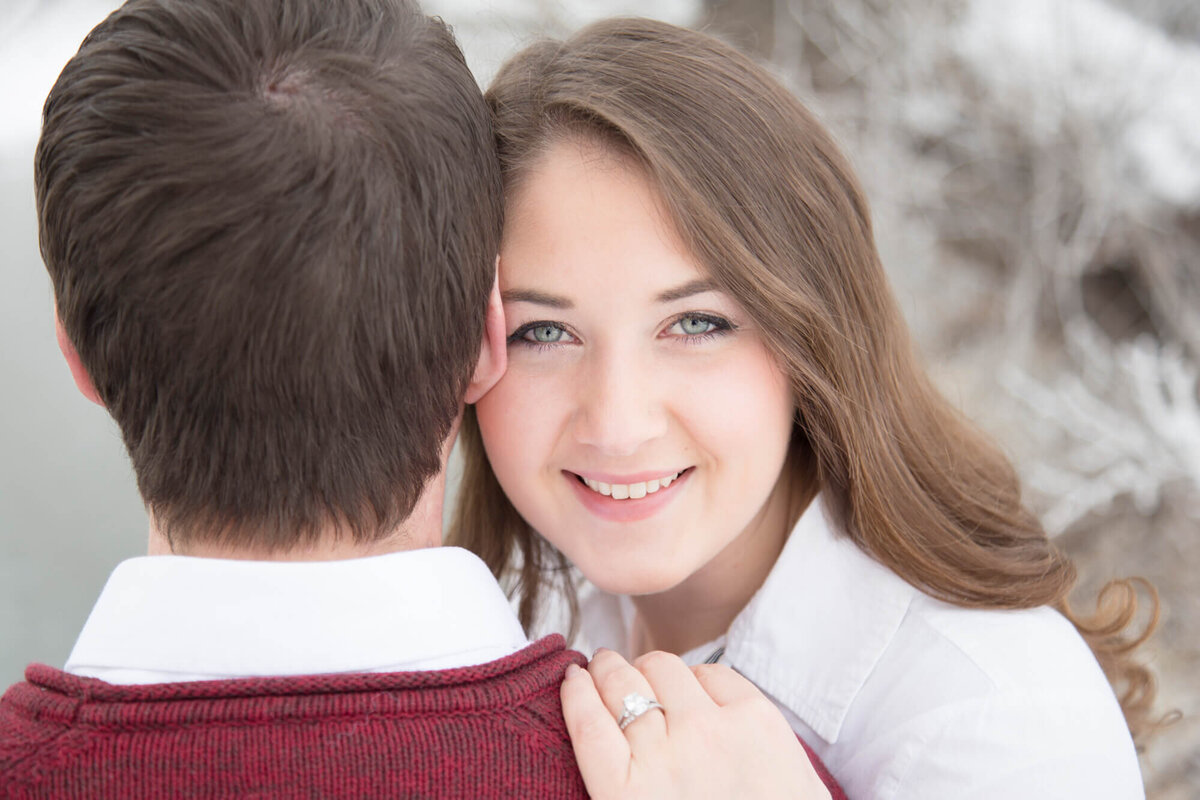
x=271 y=228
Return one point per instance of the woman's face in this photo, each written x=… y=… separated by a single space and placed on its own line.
x=641 y=426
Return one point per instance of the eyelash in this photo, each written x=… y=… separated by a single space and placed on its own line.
x=518 y=336
x=720 y=327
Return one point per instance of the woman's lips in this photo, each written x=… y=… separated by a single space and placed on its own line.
x=627 y=499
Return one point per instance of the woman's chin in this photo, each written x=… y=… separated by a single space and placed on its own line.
x=635 y=580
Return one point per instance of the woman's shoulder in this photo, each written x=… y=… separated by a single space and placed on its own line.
x=1033 y=650
x=826 y=597
x=1026 y=665
x=1012 y=700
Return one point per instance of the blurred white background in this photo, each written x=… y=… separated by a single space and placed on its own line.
x=1034 y=168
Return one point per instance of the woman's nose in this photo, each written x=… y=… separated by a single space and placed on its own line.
x=619 y=407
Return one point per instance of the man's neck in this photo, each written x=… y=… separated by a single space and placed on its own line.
x=422 y=528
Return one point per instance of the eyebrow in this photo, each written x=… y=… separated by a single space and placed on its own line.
x=533 y=296
x=558 y=301
x=686 y=290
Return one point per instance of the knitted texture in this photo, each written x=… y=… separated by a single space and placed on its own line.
x=492 y=730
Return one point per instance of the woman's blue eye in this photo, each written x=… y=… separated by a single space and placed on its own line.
x=693 y=326
x=699 y=326
x=539 y=333
x=544 y=334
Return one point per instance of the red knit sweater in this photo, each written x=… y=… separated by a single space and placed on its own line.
x=493 y=730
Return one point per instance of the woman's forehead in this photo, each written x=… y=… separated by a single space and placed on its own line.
x=580 y=218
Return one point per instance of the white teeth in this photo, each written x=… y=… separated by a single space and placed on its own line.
x=631 y=491
x=597 y=486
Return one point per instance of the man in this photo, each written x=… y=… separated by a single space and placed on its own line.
x=271 y=230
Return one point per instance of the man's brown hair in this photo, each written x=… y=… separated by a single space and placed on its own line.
x=271 y=227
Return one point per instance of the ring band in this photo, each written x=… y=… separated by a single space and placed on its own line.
x=635 y=705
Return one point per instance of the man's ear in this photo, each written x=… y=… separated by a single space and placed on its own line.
x=493 y=350
x=78 y=371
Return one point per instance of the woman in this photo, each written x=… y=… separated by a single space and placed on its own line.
x=713 y=410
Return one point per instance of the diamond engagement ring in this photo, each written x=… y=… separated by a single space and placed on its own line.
x=633 y=706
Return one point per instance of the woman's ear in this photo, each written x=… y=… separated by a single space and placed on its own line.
x=78 y=371
x=493 y=350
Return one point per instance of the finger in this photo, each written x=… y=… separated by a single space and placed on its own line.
x=783 y=747
x=601 y=749
x=725 y=686
x=673 y=683
x=616 y=679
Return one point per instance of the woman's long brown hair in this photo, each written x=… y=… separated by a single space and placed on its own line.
x=772 y=210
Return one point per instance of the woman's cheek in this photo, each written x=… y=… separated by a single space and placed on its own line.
x=740 y=395
x=516 y=419
x=740 y=416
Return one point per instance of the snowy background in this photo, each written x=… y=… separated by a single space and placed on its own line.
x=1034 y=168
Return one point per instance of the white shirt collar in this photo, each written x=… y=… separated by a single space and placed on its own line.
x=798 y=642
x=177 y=618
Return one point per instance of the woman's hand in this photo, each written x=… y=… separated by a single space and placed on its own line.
x=716 y=735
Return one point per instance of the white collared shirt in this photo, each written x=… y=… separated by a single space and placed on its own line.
x=176 y=618
x=907 y=697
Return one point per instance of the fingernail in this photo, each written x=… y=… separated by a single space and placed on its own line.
x=573 y=670
x=598 y=651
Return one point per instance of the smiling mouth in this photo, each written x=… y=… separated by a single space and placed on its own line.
x=630 y=491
